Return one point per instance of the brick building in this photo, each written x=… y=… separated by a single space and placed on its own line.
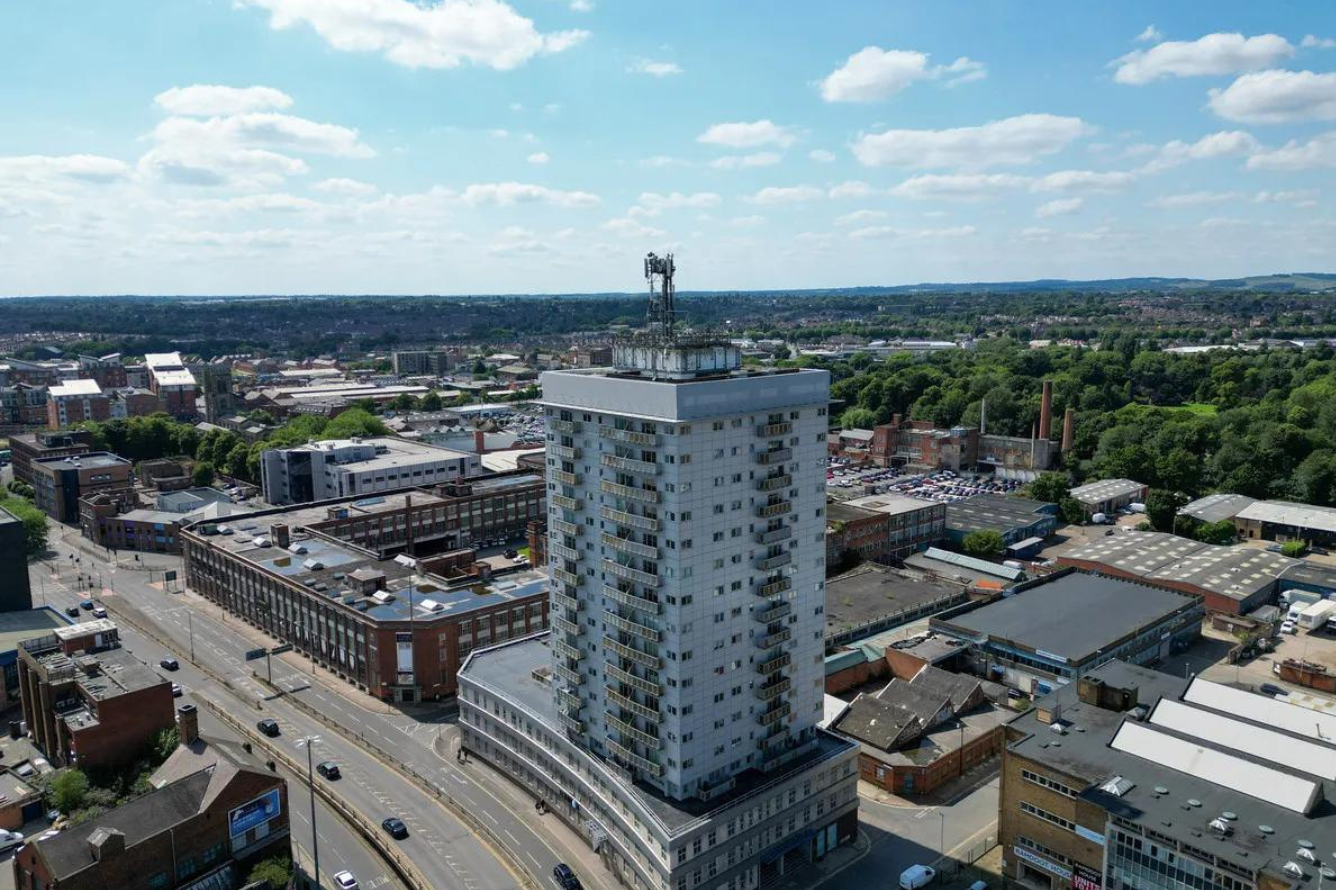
x=59 y=482
x=172 y=383
x=26 y=449
x=86 y=701
x=130 y=402
x=75 y=401
x=213 y=813
x=912 y=524
x=854 y=535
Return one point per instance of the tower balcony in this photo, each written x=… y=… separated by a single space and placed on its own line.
x=774 y=483
x=777 y=612
x=774 y=638
x=565 y=478
x=627 y=573
x=645 y=495
x=621 y=517
x=770 y=588
x=770 y=430
x=564 y=502
x=774 y=561
x=775 y=663
x=774 y=535
x=564 y=426
x=627 y=703
x=638 y=656
x=649 y=687
x=645 y=632
x=774 y=456
x=626 y=545
x=628 y=437
x=564 y=452
x=769 y=511
x=626 y=755
x=777 y=685
x=630 y=465
x=640 y=602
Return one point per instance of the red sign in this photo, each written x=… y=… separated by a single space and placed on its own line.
x=1086 y=878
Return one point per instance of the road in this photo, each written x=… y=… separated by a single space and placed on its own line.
x=341 y=848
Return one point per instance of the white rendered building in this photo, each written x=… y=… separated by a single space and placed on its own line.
x=337 y=468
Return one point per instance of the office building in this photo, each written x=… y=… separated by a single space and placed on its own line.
x=912 y=524
x=86 y=701
x=1132 y=778
x=25 y=449
x=1060 y=627
x=172 y=383
x=854 y=535
x=338 y=468
x=421 y=363
x=74 y=401
x=377 y=590
x=15 y=627
x=214 y=811
x=15 y=592
x=677 y=697
x=59 y=482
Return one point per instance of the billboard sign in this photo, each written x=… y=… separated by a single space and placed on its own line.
x=257 y=812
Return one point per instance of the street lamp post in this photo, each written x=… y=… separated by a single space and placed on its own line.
x=941 y=842
x=190 y=623
x=309 y=743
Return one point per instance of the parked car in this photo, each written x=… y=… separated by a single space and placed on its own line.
x=565 y=878
x=269 y=726
x=345 y=880
x=1274 y=548
x=177 y=691
x=1288 y=627
x=170 y=664
x=329 y=769
x=86 y=605
x=72 y=611
x=99 y=612
x=9 y=840
x=917 y=876
x=979 y=885
x=1271 y=689
x=395 y=828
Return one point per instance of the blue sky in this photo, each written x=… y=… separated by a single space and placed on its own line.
x=478 y=146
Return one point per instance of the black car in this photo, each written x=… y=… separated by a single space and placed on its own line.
x=395 y=828
x=329 y=769
x=268 y=726
x=170 y=664
x=1271 y=689
x=72 y=611
x=565 y=878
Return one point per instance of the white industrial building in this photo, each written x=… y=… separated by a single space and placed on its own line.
x=677 y=698
x=337 y=468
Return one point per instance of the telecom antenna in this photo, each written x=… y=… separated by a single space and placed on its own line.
x=660 y=316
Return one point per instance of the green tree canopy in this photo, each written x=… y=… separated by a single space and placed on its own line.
x=984 y=543
x=203 y=474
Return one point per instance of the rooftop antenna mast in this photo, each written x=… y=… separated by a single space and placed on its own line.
x=660 y=316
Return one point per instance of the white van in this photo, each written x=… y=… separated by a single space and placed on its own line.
x=916 y=876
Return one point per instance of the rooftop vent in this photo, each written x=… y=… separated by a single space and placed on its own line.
x=431 y=606
x=1220 y=826
x=383 y=597
x=1117 y=786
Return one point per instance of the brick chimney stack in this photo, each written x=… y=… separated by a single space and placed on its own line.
x=187 y=724
x=1068 y=429
x=1046 y=411
x=480 y=441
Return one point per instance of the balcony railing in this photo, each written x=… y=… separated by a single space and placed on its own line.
x=775 y=713
x=621 y=517
x=630 y=465
x=778 y=750
x=776 y=456
x=643 y=631
x=565 y=452
x=633 y=600
x=565 y=650
x=569 y=701
x=646 y=495
x=770 y=430
x=566 y=577
x=565 y=503
x=574 y=724
x=777 y=612
x=564 y=426
x=769 y=511
x=774 y=535
x=774 y=483
x=649 y=687
x=649 y=740
x=629 y=704
x=570 y=675
x=774 y=638
x=630 y=437
x=777 y=686
x=565 y=625
x=565 y=552
x=779 y=735
x=628 y=546
x=564 y=601
x=565 y=478
x=566 y=528
x=774 y=561
x=779 y=585
x=630 y=574
x=635 y=760
x=642 y=658
x=774 y=663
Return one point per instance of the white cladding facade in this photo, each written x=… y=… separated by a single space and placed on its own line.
x=687 y=548
x=338 y=468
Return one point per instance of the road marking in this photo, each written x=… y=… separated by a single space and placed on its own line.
x=495 y=821
x=511 y=836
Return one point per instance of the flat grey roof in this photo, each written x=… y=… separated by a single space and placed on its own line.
x=1097 y=492
x=870 y=592
x=91 y=459
x=1073 y=615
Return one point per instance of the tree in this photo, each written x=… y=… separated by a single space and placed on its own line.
x=276 y=871
x=34 y=524
x=1071 y=511
x=69 y=790
x=1161 y=508
x=984 y=543
x=203 y=474
x=1050 y=487
x=165 y=742
x=355 y=422
x=431 y=401
x=1221 y=532
x=1294 y=548
x=403 y=402
x=858 y=418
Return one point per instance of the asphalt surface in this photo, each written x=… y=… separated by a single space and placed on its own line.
x=341 y=848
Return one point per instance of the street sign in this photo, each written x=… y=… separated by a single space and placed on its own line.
x=279 y=650
x=254 y=654
x=170 y=576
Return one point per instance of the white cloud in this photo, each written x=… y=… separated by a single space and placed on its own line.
x=506 y=194
x=627 y=227
x=1060 y=207
x=264 y=203
x=539 y=157
x=742 y=134
x=344 y=186
x=784 y=195
x=582 y=6
x=54 y=170
x=873 y=74
x=951 y=232
x=742 y=162
x=1013 y=140
x=653 y=203
x=1319 y=151
x=1311 y=41
x=1277 y=97
x=515 y=240
x=550 y=108
x=959 y=186
x=1225 y=143
x=851 y=189
x=873 y=232
x=860 y=216
x=1294 y=196
x=661 y=161
x=419 y=35
x=1212 y=54
x=266 y=238
x=653 y=69
x=821 y=155
x=1150 y=35
x=747 y=222
x=1192 y=199
x=1083 y=181
x=208 y=100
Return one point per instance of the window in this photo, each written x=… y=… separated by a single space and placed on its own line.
x=1048 y=783
x=1032 y=810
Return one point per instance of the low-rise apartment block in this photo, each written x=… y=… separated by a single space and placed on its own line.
x=59 y=482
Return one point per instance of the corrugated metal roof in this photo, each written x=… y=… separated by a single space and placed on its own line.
x=1294 y=793
x=978 y=565
x=1287 y=513
x=843 y=660
x=1260 y=709
x=1261 y=742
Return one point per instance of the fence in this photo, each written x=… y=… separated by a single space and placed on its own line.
x=959 y=863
